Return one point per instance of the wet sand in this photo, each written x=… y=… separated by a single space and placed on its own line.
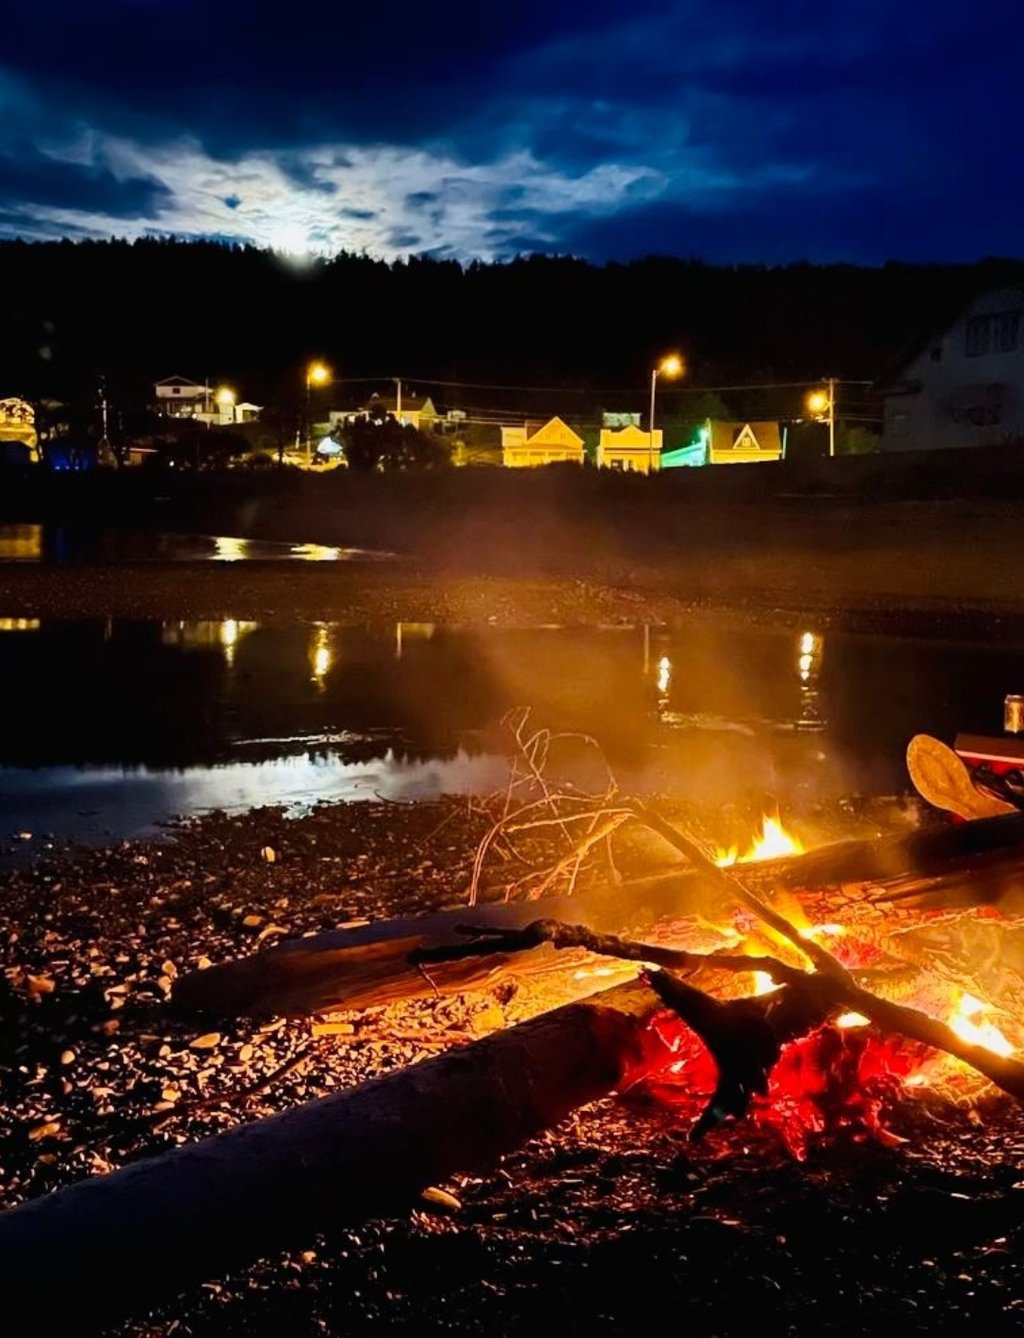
x=557 y=550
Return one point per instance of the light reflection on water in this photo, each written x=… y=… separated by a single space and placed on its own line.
x=58 y=543
x=159 y=718
x=93 y=803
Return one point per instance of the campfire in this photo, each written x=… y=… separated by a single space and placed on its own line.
x=804 y=989
x=810 y=991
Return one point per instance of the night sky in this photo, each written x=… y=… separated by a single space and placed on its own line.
x=731 y=130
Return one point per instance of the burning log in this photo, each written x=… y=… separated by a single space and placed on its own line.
x=203 y=1209
x=806 y=1000
x=977 y=862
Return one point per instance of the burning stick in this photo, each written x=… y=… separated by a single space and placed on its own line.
x=821 y=994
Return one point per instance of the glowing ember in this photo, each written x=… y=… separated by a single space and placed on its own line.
x=967 y=1021
x=844 y=1078
x=773 y=843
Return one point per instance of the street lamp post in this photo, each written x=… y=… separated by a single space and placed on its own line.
x=317 y=374
x=822 y=403
x=672 y=366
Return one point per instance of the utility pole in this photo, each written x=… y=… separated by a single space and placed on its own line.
x=398 y=399
x=831 y=415
x=104 y=451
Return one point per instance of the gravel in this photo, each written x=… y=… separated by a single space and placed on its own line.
x=610 y=1223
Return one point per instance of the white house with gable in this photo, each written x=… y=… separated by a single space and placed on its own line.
x=964 y=386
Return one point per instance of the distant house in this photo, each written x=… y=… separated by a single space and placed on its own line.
x=617 y=420
x=552 y=443
x=411 y=411
x=964 y=385
x=629 y=449
x=180 y=398
x=245 y=412
x=19 y=442
x=719 y=443
x=743 y=443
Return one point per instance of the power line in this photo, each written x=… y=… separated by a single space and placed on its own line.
x=599 y=390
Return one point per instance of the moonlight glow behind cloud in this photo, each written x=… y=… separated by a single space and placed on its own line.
x=733 y=130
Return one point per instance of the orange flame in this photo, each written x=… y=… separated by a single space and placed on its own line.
x=773 y=843
x=968 y=1021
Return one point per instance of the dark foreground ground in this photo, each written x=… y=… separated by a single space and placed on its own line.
x=613 y=1224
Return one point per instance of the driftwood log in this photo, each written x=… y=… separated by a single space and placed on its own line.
x=974 y=863
x=124 y=1241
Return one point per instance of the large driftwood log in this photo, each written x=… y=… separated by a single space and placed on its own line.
x=369 y=965
x=124 y=1241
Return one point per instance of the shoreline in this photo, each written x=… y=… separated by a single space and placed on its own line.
x=378 y=595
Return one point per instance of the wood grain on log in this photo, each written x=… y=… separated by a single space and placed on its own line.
x=368 y=966
x=123 y=1241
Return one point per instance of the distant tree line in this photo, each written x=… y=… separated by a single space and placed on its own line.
x=133 y=312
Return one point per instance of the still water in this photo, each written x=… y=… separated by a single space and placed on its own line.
x=55 y=543
x=112 y=727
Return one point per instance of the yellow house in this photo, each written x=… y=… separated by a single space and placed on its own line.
x=18 y=429
x=553 y=444
x=629 y=449
x=744 y=443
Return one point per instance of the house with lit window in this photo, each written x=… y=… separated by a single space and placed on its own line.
x=717 y=442
x=551 y=443
x=179 y=397
x=964 y=384
x=629 y=449
x=407 y=408
x=744 y=443
x=19 y=442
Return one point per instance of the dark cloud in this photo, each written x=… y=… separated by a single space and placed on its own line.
x=737 y=129
x=29 y=178
x=870 y=225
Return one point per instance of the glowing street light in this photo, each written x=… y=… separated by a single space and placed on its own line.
x=225 y=398
x=671 y=366
x=821 y=405
x=317 y=374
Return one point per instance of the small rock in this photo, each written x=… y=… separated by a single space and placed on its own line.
x=252 y=921
x=67 y=1057
x=440 y=1200
x=332 y=1029
x=268 y=854
x=206 y=1042
x=487 y=1020
x=169 y=969
x=46 y=1130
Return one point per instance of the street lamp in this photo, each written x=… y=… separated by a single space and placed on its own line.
x=317 y=374
x=226 y=401
x=821 y=404
x=671 y=366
